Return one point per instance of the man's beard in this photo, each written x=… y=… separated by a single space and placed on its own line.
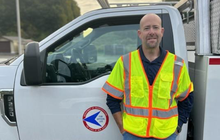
x=153 y=45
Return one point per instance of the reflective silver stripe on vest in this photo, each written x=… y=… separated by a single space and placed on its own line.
x=156 y=113
x=127 y=72
x=113 y=91
x=183 y=94
x=137 y=111
x=165 y=114
x=177 y=67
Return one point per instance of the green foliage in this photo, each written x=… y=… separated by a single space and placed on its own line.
x=39 y=18
x=7 y=17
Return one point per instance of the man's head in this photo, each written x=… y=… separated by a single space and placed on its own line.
x=150 y=31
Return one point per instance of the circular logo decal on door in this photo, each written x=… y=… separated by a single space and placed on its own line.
x=95 y=119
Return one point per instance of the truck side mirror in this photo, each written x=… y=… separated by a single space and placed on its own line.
x=32 y=64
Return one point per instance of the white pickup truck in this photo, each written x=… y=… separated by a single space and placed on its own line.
x=53 y=91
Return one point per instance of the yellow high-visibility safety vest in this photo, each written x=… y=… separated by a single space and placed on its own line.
x=149 y=110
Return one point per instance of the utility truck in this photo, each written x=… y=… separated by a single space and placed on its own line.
x=53 y=91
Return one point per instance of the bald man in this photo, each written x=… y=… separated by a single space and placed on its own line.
x=144 y=80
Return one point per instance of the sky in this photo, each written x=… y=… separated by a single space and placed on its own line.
x=89 y=5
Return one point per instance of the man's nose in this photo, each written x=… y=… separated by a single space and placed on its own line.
x=151 y=31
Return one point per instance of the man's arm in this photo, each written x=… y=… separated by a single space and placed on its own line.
x=184 y=109
x=115 y=108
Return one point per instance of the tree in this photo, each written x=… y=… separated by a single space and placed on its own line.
x=8 y=24
x=38 y=18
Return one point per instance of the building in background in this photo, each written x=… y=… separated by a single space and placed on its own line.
x=9 y=44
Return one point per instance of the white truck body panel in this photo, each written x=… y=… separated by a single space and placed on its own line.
x=206 y=96
x=8 y=132
x=212 y=114
x=7 y=77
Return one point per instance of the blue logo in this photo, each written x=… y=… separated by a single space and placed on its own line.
x=92 y=118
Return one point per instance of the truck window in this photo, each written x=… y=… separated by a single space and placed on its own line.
x=89 y=56
x=92 y=51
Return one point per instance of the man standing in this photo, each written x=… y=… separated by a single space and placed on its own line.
x=154 y=86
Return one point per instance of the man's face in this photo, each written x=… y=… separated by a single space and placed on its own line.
x=150 y=31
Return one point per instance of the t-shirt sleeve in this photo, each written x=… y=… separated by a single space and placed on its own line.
x=185 y=86
x=114 y=86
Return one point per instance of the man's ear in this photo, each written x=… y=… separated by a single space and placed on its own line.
x=139 y=34
x=162 y=31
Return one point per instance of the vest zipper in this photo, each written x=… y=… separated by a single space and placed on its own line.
x=150 y=109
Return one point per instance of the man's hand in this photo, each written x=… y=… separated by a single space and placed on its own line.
x=176 y=132
x=118 y=119
x=178 y=129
